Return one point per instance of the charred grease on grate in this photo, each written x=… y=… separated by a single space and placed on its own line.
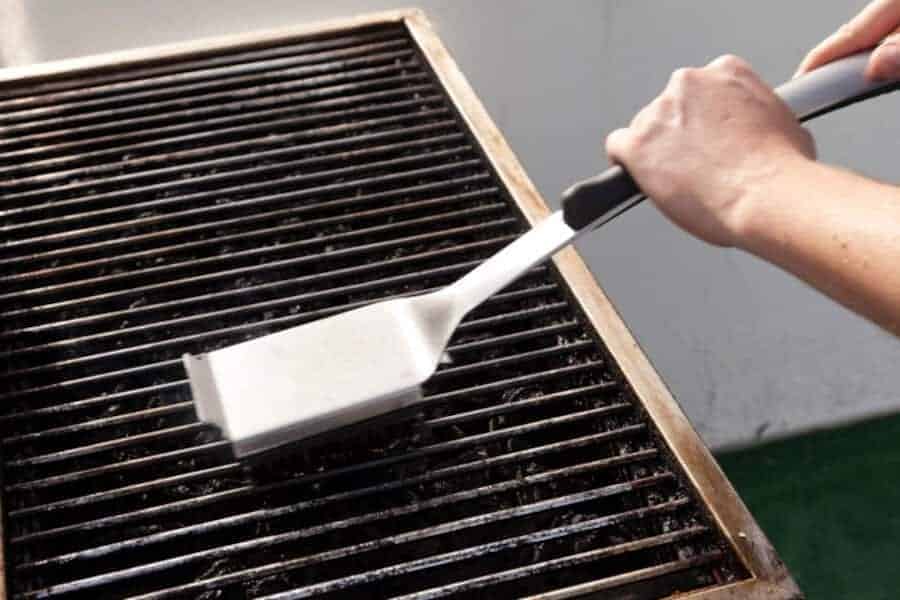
x=184 y=205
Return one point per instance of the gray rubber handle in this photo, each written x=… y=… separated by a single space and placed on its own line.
x=601 y=198
x=832 y=86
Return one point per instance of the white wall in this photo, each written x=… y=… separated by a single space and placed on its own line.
x=748 y=351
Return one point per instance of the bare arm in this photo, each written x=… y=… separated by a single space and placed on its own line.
x=836 y=230
x=722 y=156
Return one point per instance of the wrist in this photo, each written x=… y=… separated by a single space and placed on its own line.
x=765 y=202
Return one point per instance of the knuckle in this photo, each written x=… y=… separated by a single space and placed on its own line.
x=683 y=76
x=646 y=118
x=667 y=103
x=643 y=115
x=635 y=140
x=618 y=142
x=732 y=63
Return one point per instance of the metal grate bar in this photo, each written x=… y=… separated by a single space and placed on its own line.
x=474 y=552
x=431 y=561
x=218 y=471
x=287 y=214
x=471 y=415
x=217 y=262
x=277 y=80
x=193 y=427
x=150 y=413
x=615 y=581
x=280 y=112
x=117 y=467
x=568 y=561
x=296 y=315
x=133 y=440
x=259 y=515
x=80 y=101
x=389 y=211
x=90 y=136
x=253 y=203
x=516 y=382
x=239 y=174
x=161 y=325
x=147 y=413
x=336 y=273
x=51 y=91
x=182 y=161
x=491 y=411
x=391 y=541
x=512 y=359
x=463 y=443
x=76 y=404
x=180 y=173
x=507 y=359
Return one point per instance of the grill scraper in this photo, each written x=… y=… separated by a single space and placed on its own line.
x=358 y=365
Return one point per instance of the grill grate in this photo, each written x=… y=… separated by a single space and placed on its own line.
x=182 y=206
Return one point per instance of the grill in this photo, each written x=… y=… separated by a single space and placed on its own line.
x=180 y=200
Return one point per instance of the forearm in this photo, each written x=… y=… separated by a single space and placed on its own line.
x=836 y=230
x=724 y=158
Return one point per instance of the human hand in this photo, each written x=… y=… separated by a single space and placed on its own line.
x=877 y=24
x=712 y=135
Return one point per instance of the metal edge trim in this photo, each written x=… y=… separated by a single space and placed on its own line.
x=181 y=50
x=3 y=572
x=750 y=589
x=769 y=578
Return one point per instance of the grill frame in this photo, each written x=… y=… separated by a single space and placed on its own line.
x=768 y=576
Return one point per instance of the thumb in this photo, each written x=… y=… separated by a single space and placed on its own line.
x=885 y=62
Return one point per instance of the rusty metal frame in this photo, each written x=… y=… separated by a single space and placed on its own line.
x=769 y=579
x=2 y=538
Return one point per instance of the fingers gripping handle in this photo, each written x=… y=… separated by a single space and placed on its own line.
x=601 y=198
x=832 y=86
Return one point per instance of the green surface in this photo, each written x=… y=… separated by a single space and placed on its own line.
x=830 y=503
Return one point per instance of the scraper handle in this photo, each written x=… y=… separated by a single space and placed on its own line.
x=601 y=198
